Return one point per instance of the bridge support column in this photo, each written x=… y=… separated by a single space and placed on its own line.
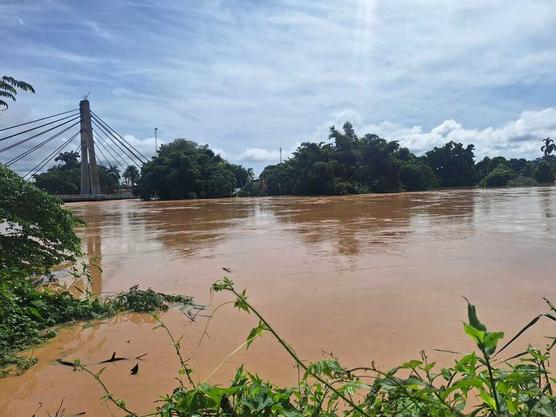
x=90 y=183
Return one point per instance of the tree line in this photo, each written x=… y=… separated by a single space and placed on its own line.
x=345 y=164
x=350 y=164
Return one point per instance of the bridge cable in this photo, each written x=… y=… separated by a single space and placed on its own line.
x=37 y=120
x=39 y=134
x=104 y=156
x=46 y=160
x=103 y=146
x=37 y=127
x=34 y=148
x=111 y=138
x=120 y=136
x=108 y=149
x=120 y=139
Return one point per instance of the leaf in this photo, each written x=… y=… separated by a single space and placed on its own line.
x=491 y=341
x=472 y=316
x=476 y=334
x=487 y=398
x=256 y=332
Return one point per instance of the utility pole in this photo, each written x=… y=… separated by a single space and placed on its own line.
x=155 y=140
x=90 y=183
x=280 y=154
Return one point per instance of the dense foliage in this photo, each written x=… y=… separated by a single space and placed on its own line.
x=65 y=177
x=348 y=164
x=183 y=169
x=36 y=232
x=481 y=383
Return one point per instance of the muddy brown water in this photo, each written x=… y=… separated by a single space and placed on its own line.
x=366 y=278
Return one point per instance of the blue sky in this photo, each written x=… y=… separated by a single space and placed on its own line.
x=248 y=77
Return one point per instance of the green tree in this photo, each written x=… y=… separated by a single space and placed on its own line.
x=499 y=176
x=109 y=178
x=38 y=231
x=9 y=87
x=417 y=175
x=548 y=147
x=65 y=178
x=70 y=160
x=183 y=169
x=453 y=164
x=544 y=174
x=131 y=176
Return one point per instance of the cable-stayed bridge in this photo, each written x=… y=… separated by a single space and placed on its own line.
x=78 y=129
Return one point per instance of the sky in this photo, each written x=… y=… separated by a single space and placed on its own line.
x=250 y=77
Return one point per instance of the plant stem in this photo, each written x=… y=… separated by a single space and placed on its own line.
x=296 y=358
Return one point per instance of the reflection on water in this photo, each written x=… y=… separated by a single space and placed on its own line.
x=371 y=277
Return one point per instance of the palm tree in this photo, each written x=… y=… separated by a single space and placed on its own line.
x=131 y=175
x=548 y=147
x=9 y=87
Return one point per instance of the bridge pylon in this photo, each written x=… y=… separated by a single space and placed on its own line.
x=90 y=183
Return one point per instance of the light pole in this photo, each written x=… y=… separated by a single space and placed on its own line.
x=155 y=140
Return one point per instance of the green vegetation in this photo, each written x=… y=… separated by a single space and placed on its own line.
x=65 y=178
x=9 y=87
x=544 y=173
x=37 y=233
x=345 y=164
x=479 y=384
x=28 y=313
x=350 y=164
x=131 y=176
x=183 y=169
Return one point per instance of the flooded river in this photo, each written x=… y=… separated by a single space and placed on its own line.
x=367 y=278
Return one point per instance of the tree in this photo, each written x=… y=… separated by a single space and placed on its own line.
x=548 y=147
x=183 y=169
x=349 y=164
x=109 y=179
x=417 y=175
x=131 y=176
x=65 y=178
x=9 y=87
x=453 y=164
x=499 y=176
x=70 y=160
x=544 y=174
x=38 y=231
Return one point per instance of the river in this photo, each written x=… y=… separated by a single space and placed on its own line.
x=366 y=278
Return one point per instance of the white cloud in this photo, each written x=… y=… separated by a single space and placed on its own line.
x=259 y=155
x=517 y=138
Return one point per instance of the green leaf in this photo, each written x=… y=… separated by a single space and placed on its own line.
x=473 y=319
x=477 y=335
x=256 y=332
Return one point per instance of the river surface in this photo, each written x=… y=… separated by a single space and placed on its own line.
x=366 y=278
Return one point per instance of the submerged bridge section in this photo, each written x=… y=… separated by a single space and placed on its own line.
x=29 y=137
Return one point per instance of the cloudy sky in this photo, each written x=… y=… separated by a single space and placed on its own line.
x=248 y=77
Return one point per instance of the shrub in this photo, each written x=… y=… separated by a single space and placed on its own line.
x=498 y=177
